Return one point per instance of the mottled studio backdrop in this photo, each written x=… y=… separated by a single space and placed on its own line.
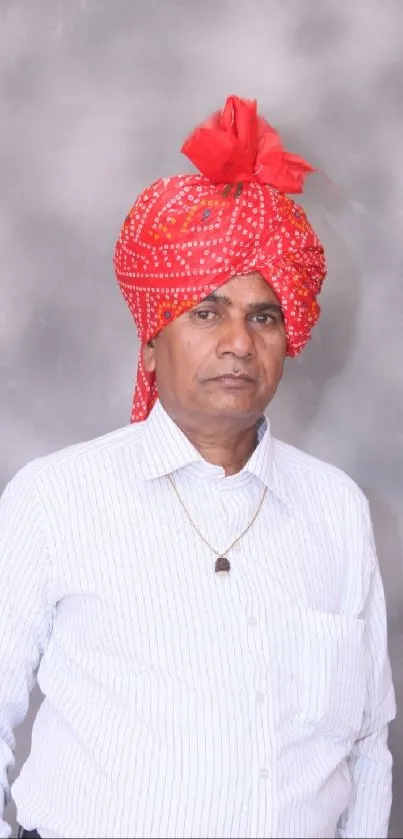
x=96 y=98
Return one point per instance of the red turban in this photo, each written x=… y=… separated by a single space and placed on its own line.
x=187 y=235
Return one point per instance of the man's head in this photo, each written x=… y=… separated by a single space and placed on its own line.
x=189 y=236
x=222 y=359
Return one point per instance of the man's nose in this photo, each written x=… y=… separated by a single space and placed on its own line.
x=236 y=338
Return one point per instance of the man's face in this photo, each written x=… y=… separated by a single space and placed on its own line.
x=225 y=357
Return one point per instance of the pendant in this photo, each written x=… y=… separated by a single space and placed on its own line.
x=222 y=565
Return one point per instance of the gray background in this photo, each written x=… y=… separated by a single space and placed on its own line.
x=96 y=98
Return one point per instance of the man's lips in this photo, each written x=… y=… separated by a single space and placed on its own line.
x=233 y=378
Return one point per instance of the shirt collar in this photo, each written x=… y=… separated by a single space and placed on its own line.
x=166 y=449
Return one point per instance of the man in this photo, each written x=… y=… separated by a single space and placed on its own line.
x=204 y=602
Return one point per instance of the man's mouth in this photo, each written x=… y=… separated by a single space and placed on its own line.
x=234 y=379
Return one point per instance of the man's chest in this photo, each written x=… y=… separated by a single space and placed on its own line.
x=138 y=600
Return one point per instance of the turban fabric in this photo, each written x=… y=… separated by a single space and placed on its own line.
x=187 y=235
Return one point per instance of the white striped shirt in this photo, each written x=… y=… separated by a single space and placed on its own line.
x=179 y=703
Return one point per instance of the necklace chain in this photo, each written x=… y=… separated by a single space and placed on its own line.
x=238 y=538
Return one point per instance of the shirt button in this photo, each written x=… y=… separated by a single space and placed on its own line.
x=260 y=697
x=252 y=621
x=264 y=773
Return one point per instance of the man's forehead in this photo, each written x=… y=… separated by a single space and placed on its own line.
x=245 y=287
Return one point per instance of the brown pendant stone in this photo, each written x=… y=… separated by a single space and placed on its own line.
x=222 y=565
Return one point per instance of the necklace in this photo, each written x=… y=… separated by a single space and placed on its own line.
x=222 y=564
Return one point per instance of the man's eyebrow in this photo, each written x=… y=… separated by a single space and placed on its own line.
x=265 y=306
x=216 y=298
x=259 y=306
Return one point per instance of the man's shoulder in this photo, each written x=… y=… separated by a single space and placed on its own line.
x=309 y=471
x=83 y=455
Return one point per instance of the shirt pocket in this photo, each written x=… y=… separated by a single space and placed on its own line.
x=320 y=666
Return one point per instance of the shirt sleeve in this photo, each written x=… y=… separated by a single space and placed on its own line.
x=370 y=762
x=25 y=614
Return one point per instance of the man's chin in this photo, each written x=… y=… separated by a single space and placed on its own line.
x=234 y=406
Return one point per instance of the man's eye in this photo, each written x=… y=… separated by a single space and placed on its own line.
x=264 y=318
x=204 y=314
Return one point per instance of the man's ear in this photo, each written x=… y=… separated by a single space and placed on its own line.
x=149 y=356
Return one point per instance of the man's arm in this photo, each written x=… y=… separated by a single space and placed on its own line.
x=25 y=614
x=370 y=762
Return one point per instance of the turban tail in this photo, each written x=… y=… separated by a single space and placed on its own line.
x=187 y=235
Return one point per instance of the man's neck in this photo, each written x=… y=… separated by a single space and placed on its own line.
x=229 y=449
